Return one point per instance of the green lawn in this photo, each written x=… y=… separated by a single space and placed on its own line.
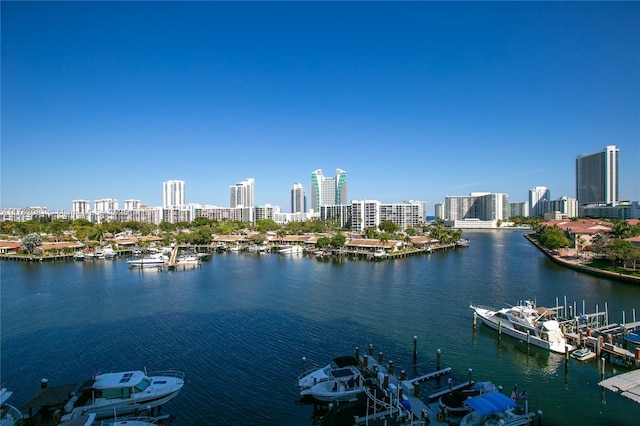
x=606 y=265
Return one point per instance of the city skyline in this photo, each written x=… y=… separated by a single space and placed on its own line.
x=415 y=100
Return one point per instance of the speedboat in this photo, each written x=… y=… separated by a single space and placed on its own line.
x=116 y=394
x=155 y=259
x=343 y=384
x=292 y=249
x=78 y=256
x=583 y=354
x=536 y=325
x=307 y=380
x=493 y=409
x=9 y=415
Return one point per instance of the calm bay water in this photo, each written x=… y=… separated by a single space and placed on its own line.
x=240 y=325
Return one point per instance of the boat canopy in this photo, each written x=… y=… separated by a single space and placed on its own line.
x=490 y=403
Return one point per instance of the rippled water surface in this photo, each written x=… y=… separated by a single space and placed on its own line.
x=240 y=325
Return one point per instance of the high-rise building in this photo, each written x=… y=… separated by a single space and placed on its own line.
x=537 y=194
x=328 y=191
x=597 y=177
x=173 y=193
x=242 y=194
x=298 y=199
x=483 y=206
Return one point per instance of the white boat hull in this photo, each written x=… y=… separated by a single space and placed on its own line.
x=489 y=318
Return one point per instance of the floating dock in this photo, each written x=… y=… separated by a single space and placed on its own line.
x=401 y=401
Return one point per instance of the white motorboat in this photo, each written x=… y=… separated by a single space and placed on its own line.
x=9 y=415
x=79 y=256
x=155 y=259
x=343 y=384
x=290 y=249
x=109 y=252
x=115 y=394
x=309 y=379
x=536 y=325
x=90 y=420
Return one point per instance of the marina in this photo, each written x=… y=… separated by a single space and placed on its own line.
x=239 y=325
x=393 y=397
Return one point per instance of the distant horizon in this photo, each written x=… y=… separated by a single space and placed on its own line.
x=414 y=100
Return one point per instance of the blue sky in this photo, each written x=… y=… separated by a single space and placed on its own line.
x=415 y=100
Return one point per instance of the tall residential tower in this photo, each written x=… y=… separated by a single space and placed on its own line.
x=298 y=199
x=328 y=191
x=173 y=193
x=597 y=177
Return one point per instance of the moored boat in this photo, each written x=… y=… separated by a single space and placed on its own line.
x=156 y=259
x=309 y=379
x=115 y=394
x=583 y=354
x=495 y=408
x=343 y=384
x=292 y=249
x=9 y=415
x=632 y=337
x=536 y=325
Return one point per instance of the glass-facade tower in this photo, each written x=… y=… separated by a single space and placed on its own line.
x=597 y=177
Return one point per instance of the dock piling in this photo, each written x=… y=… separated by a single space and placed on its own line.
x=438 y=356
x=415 y=349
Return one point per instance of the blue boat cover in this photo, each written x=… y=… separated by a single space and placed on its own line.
x=489 y=403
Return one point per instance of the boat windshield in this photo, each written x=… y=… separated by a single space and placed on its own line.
x=144 y=383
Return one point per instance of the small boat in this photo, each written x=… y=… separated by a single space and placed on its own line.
x=290 y=249
x=155 y=259
x=453 y=402
x=9 y=415
x=495 y=408
x=380 y=253
x=115 y=394
x=633 y=337
x=307 y=380
x=343 y=384
x=109 y=252
x=525 y=321
x=583 y=354
x=90 y=420
x=462 y=242
x=79 y=256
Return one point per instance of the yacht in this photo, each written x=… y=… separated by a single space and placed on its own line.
x=311 y=378
x=343 y=384
x=525 y=321
x=155 y=259
x=291 y=249
x=115 y=394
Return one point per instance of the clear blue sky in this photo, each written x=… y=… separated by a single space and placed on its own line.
x=415 y=100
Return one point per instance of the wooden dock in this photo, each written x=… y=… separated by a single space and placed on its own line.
x=402 y=400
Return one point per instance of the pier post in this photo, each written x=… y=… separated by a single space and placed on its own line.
x=365 y=360
x=304 y=364
x=499 y=328
x=370 y=349
x=470 y=375
x=380 y=357
x=390 y=367
x=566 y=354
x=475 y=319
x=415 y=349
x=599 y=345
x=528 y=337
x=438 y=356
x=403 y=375
x=602 y=366
x=637 y=357
x=385 y=382
x=416 y=389
x=357 y=353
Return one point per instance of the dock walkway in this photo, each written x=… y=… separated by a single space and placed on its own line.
x=405 y=405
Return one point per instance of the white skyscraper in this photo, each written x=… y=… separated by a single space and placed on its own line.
x=242 y=194
x=173 y=193
x=597 y=177
x=328 y=191
x=539 y=193
x=298 y=199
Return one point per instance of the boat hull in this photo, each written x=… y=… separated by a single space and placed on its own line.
x=503 y=325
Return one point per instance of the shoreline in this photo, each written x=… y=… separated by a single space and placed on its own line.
x=575 y=265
